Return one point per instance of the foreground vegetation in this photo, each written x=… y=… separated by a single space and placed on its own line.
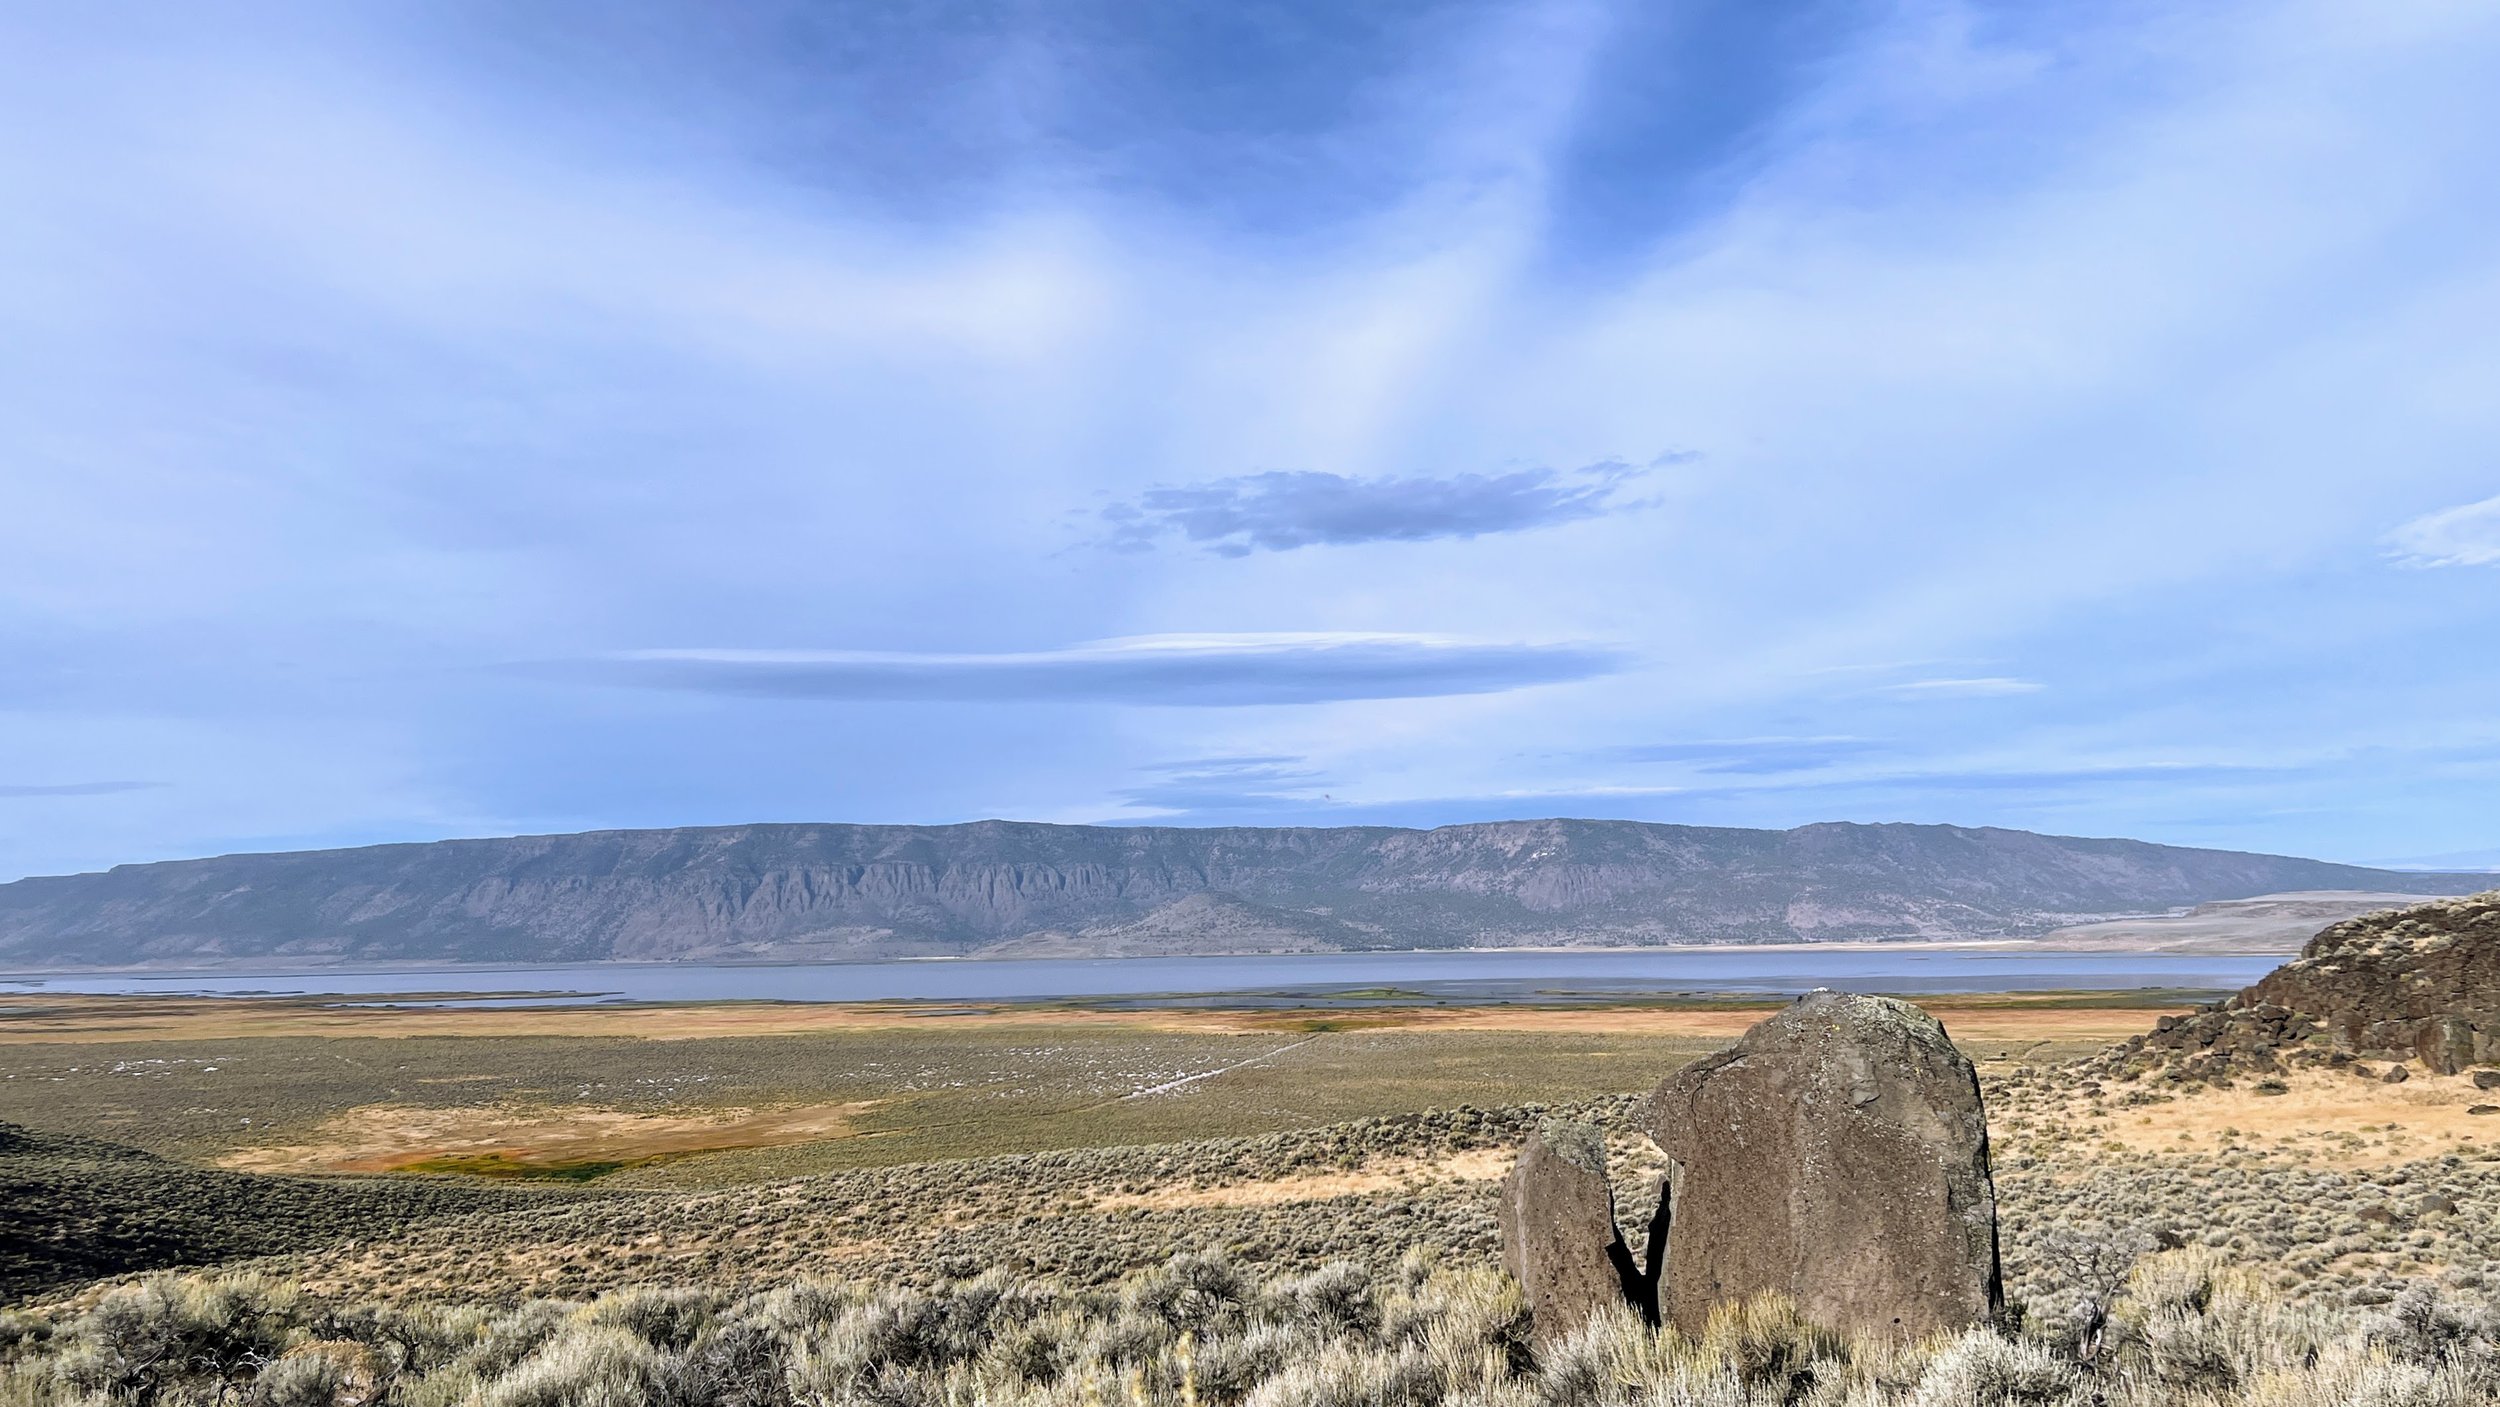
x=1115 y=1213
x=1200 y=1330
x=1371 y=1190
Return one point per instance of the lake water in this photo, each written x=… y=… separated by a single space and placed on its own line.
x=1351 y=979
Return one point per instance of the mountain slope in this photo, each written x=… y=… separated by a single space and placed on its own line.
x=838 y=891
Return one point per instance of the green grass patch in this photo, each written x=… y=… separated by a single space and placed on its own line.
x=502 y=1167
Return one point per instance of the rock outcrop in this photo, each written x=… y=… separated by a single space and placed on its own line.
x=1837 y=1154
x=1559 y=1237
x=2420 y=983
x=2220 y=1043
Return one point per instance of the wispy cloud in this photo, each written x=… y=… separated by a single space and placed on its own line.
x=1985 y=688
x=1240 y=785
x=1946 y=791
x=2464 y=536
x=15 y=792
x=1261 y=764
x=1280 y=511
x=1206 y=670
x=1749 y=755
x=1943 y=776
x=2174 y=774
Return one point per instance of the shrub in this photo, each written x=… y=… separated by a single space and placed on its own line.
x=668 y=1319
x=322 y=1373
x=1193 y=1291
x=593 y=1365
x=2186 y=1327
x=168 y=1329
x=1334 y=1299
x=1983 y=1367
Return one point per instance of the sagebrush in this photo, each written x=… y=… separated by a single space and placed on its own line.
x=1200 y=1331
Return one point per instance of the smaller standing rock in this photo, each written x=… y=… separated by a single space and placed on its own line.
x=1559 y=1238
x=2487 y=1079
x=2396 y=1075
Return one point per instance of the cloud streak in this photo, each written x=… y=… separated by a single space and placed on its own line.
x=1750 y=756
x=22 y=792
x=1228 y=784
x=1281 y=511
x=1186 y=670
x=1995 y=687
x=2464 y=536
x=2179 y=774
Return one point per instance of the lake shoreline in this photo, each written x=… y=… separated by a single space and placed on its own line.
x=263 y=968
x=1538 y=976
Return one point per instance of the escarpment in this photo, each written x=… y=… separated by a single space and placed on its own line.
x=802 y=892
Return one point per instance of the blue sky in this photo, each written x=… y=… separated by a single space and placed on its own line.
x=426 y=420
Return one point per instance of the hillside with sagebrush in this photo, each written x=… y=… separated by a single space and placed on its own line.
x=998 y=888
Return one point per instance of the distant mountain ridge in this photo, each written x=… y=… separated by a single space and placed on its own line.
x=1007 y=888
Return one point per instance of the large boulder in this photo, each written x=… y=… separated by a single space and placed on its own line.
x=1559 y=1238
x=1836 y=1154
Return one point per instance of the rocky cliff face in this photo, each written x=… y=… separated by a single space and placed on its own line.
x=2421 y=982
x=834 y=891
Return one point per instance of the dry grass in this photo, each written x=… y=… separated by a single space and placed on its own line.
x=1372 y=1179
x=30 y=1019
x=2328 y=1117
x=1992 y=1021
x=57 y=1020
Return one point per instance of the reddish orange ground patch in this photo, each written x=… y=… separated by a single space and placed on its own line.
x=535 y=1142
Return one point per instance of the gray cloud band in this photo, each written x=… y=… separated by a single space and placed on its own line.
x=1280 y=511
x=11 y=793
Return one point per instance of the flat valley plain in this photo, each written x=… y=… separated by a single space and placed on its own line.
x=570 y=1152
x=721 y=1094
